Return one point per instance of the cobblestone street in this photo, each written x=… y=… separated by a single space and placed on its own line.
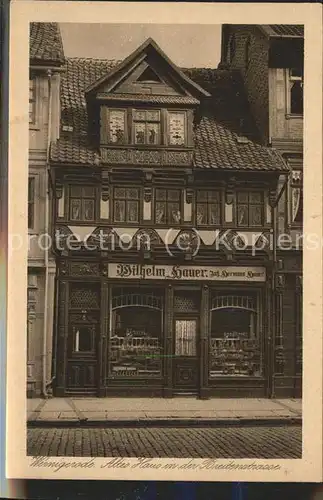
x=221 y=442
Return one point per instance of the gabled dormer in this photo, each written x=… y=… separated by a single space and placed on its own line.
x=145 y=103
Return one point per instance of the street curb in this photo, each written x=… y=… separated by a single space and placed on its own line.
x=170 y=422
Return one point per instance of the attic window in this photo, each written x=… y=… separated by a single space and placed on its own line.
x=149 y=76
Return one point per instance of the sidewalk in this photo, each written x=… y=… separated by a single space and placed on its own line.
x=67 y=412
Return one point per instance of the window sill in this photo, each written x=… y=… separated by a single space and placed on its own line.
x=34 y=126
x=290 y=116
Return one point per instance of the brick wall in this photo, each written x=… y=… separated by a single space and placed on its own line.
x=254 y=72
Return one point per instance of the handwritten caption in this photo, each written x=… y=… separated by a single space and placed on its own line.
x=59 y=464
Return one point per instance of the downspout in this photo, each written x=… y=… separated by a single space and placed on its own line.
x=46 y=231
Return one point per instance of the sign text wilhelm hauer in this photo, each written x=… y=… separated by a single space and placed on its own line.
x=214 y=273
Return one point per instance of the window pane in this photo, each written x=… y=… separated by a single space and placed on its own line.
x=31 y=189
x=132 y=211
x=214 y=196
x=242 y=197
x=120 y=193
x=75 y=209
x=296 y=98
x=83 y=339
x=176 y=128
x=76 y=191
x=242 y=215
x=152 y=116
x=161 y=194
x=160 y=215
x=140 y=115
x=201 y=213
x=153 y=133
x=132 y=194
x=255 y=215
x=214 y=214
x=88 y=192
x=119 y=211
x=201 y=195
x=174 y=214
x=140 y=129
x=173 y=194
x=88 y=209
x=185 y=338
x=117 y=126
x=255 y=198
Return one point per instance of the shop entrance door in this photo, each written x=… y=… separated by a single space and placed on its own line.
x=185 y=360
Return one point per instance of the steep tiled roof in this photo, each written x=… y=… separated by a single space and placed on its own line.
x=225 y=136
x=284 y=30
x=46 y=43
x=153 y=99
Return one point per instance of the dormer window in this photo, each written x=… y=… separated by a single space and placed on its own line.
x=146 y=126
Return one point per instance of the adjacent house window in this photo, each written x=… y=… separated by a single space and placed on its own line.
x=177 y=128
x=208 y=207
x=296 y=198
x=247 y=52
x=117 y=126
x=249 y=208
x=146 y=126
x=32 y=101
x=31 y=202
x=82 y=203
x=126 y=204
x=232 y=48
x=295 y=88
x=168 y=206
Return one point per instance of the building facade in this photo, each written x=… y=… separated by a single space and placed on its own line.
x=46 y=64
x=165 y=201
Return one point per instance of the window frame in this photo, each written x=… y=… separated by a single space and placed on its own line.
x=289 y=80
x=96 y=200
x=159 y=122
x=221 y=202
x=181 y=204
x=236 y=205
x=140 y=203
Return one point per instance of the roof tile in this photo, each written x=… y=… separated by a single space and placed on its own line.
x=46 y=43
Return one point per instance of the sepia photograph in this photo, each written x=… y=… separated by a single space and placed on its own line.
x=165 y=265
x=165 y=209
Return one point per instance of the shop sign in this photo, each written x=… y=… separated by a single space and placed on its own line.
x=176 y=272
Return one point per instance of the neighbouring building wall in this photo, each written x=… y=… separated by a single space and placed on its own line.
x=282 y=124
x=248 y=52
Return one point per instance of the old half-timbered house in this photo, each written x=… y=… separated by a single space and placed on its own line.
x=164 y=228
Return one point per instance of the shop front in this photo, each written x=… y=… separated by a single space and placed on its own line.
x=162 y=330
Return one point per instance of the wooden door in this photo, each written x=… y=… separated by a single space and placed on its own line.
x=185 y=363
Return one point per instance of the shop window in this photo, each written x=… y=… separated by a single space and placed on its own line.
x=82 y=203
x=126 y=204
x=146 y=126
x=117 y=126
x=249 y=208
x=168 y=206
x=234 y=336
x=136 y=333
x=31 y=202
x=32 y=101
x=295 y=91
x=208 y=207
x=296 y=198
x=177 y=128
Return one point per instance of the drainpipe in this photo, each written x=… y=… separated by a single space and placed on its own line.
x=44 y=351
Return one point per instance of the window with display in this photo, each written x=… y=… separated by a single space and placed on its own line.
x=177 y=128
x=117 y=126
x=146 y=127
x=126 y=204
x=234 y=336
x=82 y=203
x=168 y=206
x=249 y=208
x=136 y=333
x=208 y=207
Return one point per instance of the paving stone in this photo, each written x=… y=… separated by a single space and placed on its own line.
x=229 y=442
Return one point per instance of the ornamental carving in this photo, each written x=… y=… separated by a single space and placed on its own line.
x=188 y=241
x=280 y=282
x=84 y=268
x=146 y=157
x=103 y=238
x=178 y=157
x=146 y=239
x=115 y=155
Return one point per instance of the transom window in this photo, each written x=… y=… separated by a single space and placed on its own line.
x=249 y=208
x=31 y=202
x=296 y=82
x=168 y=206
x=126 y=204
x=146 y=124
x=32 y=101
x=82 y=203
x=208 y=207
